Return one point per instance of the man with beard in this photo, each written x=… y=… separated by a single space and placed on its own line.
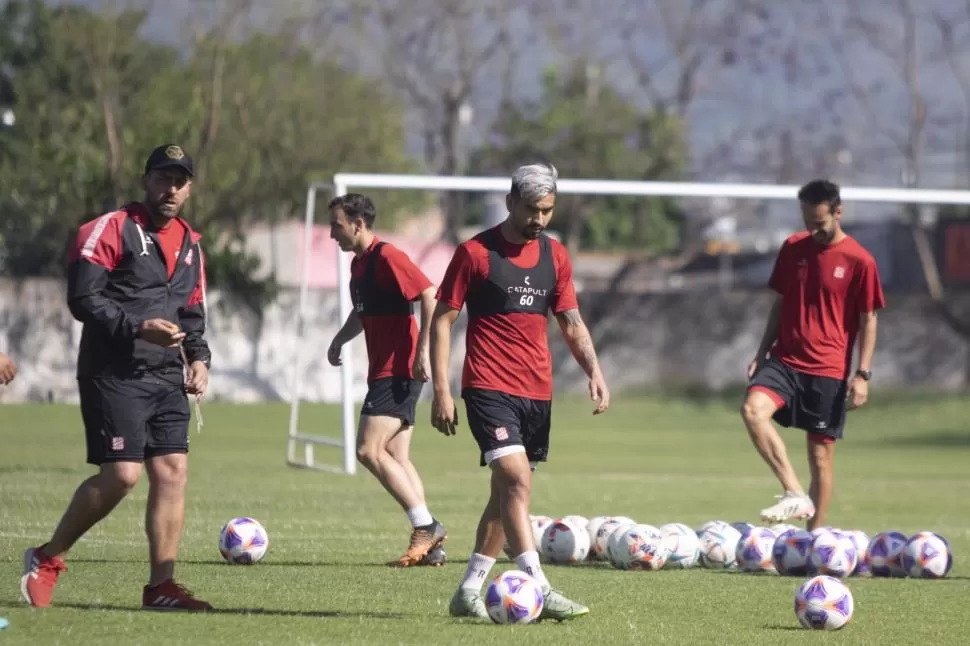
x=510 y=277
x=828 y=291
x=136 y=280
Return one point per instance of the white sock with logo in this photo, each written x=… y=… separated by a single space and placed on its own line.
x=477 y=571
x=528 y=562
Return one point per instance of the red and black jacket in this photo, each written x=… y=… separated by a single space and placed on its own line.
x=117 y=278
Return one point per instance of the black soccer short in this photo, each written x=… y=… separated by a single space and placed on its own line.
x=809 y=402
x=499 y=421
x=131 y=420
x=393 y=397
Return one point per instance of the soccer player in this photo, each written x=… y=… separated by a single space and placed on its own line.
x=136 y=280
x=828 y=292
x=8 y=369
x=510 y=277
x=384 y=284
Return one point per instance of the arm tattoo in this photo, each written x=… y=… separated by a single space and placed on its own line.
x=578 y=339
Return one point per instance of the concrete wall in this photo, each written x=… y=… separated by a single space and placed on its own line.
x=644 y=341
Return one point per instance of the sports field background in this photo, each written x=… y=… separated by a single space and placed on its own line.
x=905 y=465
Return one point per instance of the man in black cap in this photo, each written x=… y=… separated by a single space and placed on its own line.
x=137 y=282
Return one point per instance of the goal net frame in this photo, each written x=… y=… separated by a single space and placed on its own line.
x=343 y=182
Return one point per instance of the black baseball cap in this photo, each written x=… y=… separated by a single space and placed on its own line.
x=169 y=156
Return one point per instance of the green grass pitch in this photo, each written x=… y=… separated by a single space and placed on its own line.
x=905 y=465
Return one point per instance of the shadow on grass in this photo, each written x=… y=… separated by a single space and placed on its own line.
x=949 y=438
x=335 y=614
x=269 y=563
x=784 y=627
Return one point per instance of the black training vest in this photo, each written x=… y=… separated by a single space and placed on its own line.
x=370 y=299
x=509 y=288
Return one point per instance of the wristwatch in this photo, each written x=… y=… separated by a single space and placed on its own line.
x=865 y=374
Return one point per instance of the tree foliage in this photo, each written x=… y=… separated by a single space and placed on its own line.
x=261 y=115
x=589 y=131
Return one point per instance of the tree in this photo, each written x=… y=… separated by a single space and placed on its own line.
x=261 y=114
x=438 y=55
x=588 y=130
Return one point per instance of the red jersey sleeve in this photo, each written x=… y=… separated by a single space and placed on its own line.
x=870 y=296
x=399 y=270
x=777 y=280
x=464 y=268
x=564 y=293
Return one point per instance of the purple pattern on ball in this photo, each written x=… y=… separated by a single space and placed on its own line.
x=493 y=596
x=844 y=605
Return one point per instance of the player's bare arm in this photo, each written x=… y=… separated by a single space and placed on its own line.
x=422 y=357
x=8 y=369
x=443 y=413
x=768 y=338
x=576 y=335
x=351 y=328
x=859 y=385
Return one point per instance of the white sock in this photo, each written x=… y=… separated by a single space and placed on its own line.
x=477 y=571
x=528 y=562
x=420 y=516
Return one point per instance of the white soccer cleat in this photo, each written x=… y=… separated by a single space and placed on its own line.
x=790 y=505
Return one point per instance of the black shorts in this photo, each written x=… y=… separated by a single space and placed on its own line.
x=393 y=397
x=131 y=420
x=811 y=403
x=499 y=421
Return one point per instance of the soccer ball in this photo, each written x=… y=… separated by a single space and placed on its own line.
x=564 y=542
x=711 y=524
x=833 y=553
x=641 y=547
x=243 y=541
x=685 y=547
x=927 y=556
x=824 y=603
x=791 y=554
x=861 y=541
x=885 y=554
x=597 y=548
x=781 y=528
x=592 y=526
x=614 y=551
x=513 y=597
x=579 y=521
x=754 y=550
x=719 y=545
x=742 y=526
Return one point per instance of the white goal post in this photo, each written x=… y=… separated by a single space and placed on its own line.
x=343 y=182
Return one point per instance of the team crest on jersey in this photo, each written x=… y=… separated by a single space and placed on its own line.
x=188 y=257
x=839 y=272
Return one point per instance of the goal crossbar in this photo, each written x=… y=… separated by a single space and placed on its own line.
x=342 y=182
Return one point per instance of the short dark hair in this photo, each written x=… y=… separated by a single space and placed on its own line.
x=821 y=191
x=355 y=205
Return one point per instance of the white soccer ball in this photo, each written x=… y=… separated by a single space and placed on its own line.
x=539 y=524
x=833 y=553
x=742 y=526
x=861 y=541
x=824 y=603
x=685 y=547
x=885 y=554
x=711 y=524
x=578 y=521
x=597 y=548
x=592 y=526
x=781 y=528
x=614 y=553
x=564 y=542
x=927 y=556
x=719 y=547
x=243 y=541
x=513 y=597
x=792 y=552
x=641 y=547
x=754 y=550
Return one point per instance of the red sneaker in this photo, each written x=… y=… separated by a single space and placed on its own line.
x=40 y=577
x=169 y=595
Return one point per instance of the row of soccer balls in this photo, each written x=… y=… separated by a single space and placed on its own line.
x=782 y=549
x=821 y=603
